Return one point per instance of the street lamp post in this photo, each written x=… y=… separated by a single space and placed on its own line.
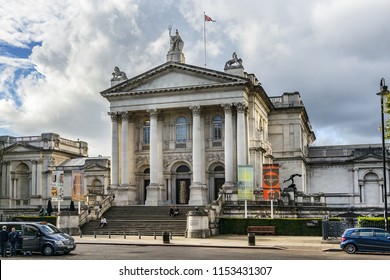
x=383 y=93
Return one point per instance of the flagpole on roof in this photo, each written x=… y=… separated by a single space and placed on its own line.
x=204 y=36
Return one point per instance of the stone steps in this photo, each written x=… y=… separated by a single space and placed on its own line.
x=140 y=220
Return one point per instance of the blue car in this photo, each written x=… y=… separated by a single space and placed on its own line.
x=365 y=240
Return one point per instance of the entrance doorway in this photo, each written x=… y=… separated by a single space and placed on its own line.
x=146 y=184
x=182 y=191
x=218 y=183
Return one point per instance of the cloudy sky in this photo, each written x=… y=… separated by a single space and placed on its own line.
x=57 y=56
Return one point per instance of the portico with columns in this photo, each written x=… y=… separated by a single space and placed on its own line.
x=179 y=132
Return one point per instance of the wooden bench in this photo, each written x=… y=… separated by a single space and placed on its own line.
x=261 y=229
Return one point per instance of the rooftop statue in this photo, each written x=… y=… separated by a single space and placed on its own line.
x=235 y=62
x=176 y=43
x=118 y=75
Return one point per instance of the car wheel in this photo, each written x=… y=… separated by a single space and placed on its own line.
x=350 y=248
x=47 y=250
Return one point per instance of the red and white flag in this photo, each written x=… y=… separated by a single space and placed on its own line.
x=207 y=18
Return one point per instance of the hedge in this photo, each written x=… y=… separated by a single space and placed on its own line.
x=293 y=227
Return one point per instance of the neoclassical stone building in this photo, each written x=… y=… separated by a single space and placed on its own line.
x=179 y=131
x=29 y=166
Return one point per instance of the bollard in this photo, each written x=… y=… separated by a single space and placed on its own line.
x=170 y=235
x=251 y=239
x=94 y=233
x=139 y=235
x=154 y=234
x=165 y=237
x=109 y=234
x=124 y=235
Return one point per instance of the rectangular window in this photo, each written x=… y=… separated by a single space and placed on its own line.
x=181 y=133
x=217 y=132
x=146 y=135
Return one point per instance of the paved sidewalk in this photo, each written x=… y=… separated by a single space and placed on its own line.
x=228 y=241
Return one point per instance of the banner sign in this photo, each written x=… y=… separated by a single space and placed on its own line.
x=57 y=186
x=271 y=183
x=77 y=186
x=245 y=182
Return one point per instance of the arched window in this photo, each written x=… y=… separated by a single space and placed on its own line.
x=182 y=168
x=146 y=130
x=219 y=169
x=217 y=128
x=181 y=129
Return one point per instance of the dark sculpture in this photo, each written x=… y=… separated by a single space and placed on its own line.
x=292 y=185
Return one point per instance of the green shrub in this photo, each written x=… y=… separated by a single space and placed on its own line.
x=371 y=222
x=293 y=227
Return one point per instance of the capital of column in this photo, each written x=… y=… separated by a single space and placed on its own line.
x=114 y=116
x=227 y=108
x=153 y=113
x=125 y=115
x=241 y=107
x=196 y=110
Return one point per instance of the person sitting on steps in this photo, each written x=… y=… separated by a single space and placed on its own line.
x=176 y=211
x=103 y=222
x=171 y=211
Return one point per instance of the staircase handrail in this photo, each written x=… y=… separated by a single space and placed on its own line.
x=83 y=217
x=105 y=204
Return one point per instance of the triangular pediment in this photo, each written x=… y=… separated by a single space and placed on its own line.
x=368 y=158
x=95 y=167
x=173 y=76
x=20 y=148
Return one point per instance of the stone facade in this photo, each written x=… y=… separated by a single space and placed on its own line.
x=349 y=176
x=28 y=165
x=180 y=131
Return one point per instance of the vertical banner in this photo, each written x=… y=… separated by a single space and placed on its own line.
x=245 y=182
x=57 y=186
x=77 y=186
x=271 y=183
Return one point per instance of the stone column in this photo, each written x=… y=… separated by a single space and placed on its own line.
x=33 y=178
x=198 y=189
x=114 y=150
x=4 y=179
x=160 y=160
x=241 y=135
x=229 y=165
x=152 y=191
x=125 y=150
x=131 y=161
x=39 y=177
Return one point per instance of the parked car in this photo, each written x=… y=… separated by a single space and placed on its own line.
x=365 y=240
x=41 y=237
